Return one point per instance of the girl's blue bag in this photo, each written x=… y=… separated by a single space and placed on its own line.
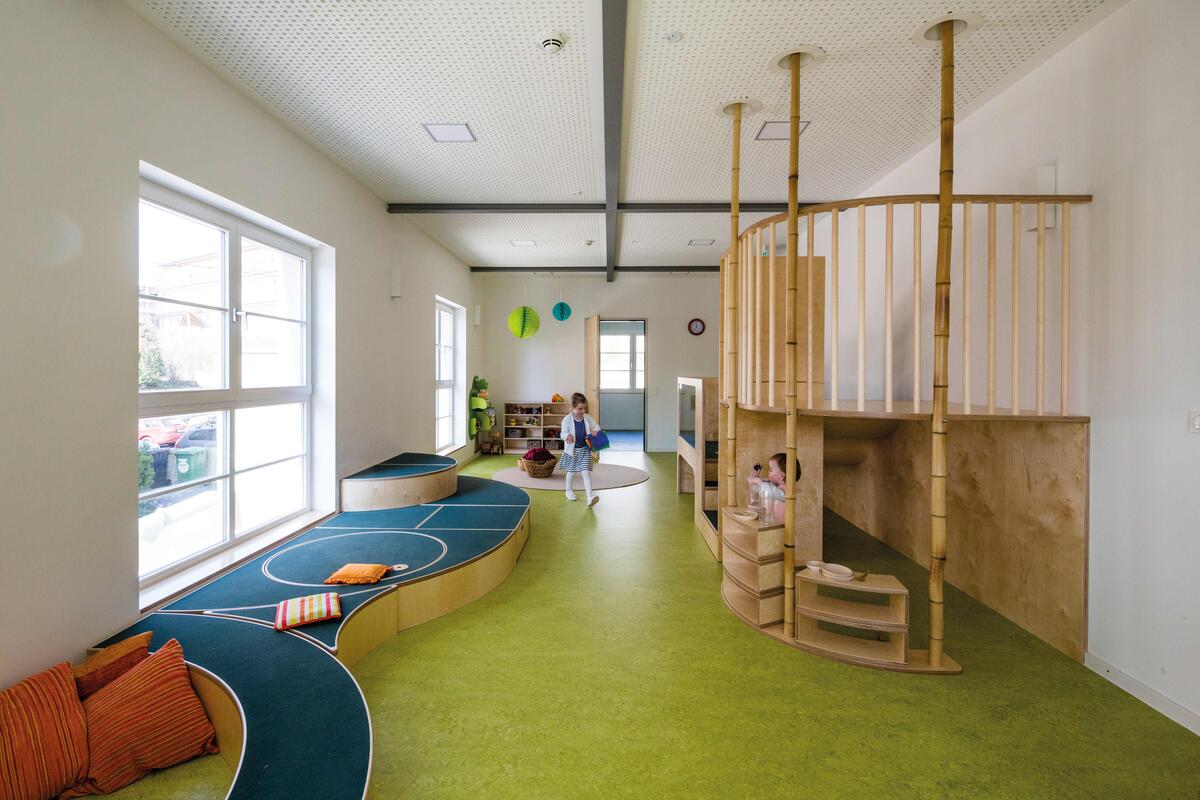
x=598 y=441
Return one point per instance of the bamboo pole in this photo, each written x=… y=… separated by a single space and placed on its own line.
x=759 y=321
x=941 y=338
x=1040 y=385
x=1016 y=309
x=1064 y=367
x=789 y=514
x=771 y=322
x=966 y=312
x=887 y=311
x=731 y=410
x=833 y=312
x=862 y=308
x=809 y=302
x=916 y=294
x=991 y=319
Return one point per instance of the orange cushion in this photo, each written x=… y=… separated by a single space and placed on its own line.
x=43 y=741
x=358 y=573
x=149 y=718
x=105 y=666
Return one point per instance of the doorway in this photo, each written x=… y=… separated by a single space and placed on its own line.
x=622 y=385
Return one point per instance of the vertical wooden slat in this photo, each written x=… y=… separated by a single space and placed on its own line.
x=789 y=514
x=966 y=304
x=1040 y=385
x=760 y=328
x=916 y=294
x=1064 y=355
x=729 y=446
x=991 y=312
x=887 y=310
x=771 y=322
x=809 y=310
x=833 y=313
x=1016 y=309
x=862 y=308
x=941 y=338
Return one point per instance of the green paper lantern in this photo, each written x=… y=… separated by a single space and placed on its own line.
x=562 y=311
x=523 y=322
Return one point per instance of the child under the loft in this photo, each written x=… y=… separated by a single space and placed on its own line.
x=767 y=494
x=577 y=455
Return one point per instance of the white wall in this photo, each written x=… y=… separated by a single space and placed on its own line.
x=552 y=360
x=89 y=89
x=1117 y=111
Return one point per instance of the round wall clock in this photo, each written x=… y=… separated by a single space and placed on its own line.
x=696 y=327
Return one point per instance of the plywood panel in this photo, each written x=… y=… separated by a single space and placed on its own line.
x=1016 y=508
x=223 y=712
x=369 y=494
x=760 y=435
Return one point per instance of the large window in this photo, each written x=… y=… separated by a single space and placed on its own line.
x=622 y=361
x=223 y=380
x=449 y=377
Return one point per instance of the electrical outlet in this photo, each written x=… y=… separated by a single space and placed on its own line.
x=1194 y=421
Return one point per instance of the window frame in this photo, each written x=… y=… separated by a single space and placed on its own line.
x=175 y=402
x=456 y=384
x=632 y=387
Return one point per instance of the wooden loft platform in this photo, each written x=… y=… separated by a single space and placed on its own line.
x=903 y=409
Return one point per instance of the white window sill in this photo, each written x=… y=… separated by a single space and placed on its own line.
x=166 y=588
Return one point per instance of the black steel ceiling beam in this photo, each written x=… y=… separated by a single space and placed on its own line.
x=613 y=30
x=601 y=269
x=580 y=208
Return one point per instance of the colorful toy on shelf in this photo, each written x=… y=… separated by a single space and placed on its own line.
x=481 y=414
x=558 y=398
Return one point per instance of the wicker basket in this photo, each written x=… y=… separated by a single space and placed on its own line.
x=538 y=469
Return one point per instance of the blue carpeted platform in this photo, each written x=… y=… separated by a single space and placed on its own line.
x=406 y=465
x=308 y=734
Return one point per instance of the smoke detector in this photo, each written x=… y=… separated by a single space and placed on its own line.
x=552 y=43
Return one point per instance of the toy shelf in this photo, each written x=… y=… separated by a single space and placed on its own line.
x=888 y=622
x=532 y=423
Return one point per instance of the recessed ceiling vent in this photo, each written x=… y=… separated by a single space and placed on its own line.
x=552 y=43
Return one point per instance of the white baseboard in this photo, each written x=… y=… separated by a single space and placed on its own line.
x=1156 y=700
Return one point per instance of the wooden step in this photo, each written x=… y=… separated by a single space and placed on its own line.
x=758 y=576
x=756 y=610
x=867 y=652
x=756 y=540
x=854 y=615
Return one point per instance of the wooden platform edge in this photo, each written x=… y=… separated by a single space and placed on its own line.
x=224 y=712
x=708 y=533
x=918 y=660
x=410 y=604
x=401 y=491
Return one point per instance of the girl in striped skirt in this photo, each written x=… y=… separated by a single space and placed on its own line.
x=577 y=456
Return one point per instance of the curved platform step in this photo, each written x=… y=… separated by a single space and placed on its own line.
x=290 y=717
x=404 y=480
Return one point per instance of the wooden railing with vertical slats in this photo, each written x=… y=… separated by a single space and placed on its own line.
x=1040 y=227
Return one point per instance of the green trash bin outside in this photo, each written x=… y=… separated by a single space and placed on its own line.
x=188 y=464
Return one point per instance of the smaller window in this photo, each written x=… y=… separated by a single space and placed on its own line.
x=449 y=376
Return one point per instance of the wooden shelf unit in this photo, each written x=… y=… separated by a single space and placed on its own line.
x=753 y=564
x=888 y=623
x=533 y=423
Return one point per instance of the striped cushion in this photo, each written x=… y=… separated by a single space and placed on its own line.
x=149 y=718
x=43 y=741
x=105 y=666
x=303 y=610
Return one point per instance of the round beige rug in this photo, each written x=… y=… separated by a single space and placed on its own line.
x=604 y=476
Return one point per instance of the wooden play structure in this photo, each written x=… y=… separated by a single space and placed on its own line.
x=696 y=453
x=1000 y=490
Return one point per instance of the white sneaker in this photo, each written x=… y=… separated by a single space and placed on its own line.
x=593 y=499
x=570 y=494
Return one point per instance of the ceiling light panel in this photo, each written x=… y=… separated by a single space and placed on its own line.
x=874 y=100
x=665 y=239
x=772 y=131
x=495 y=240
x=383 y=68
x=449 y=132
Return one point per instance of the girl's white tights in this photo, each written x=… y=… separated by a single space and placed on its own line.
x=587 y=482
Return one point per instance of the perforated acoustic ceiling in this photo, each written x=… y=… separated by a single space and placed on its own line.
x=358 y=79
x=872 y=100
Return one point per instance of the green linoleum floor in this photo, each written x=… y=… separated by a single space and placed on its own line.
x=607 y=666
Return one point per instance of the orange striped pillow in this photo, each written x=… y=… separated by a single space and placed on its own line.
x=43 y=741
x=149 y=718
x=105 y=666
